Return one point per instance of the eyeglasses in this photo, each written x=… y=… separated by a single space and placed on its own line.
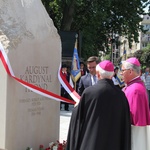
x=123 y=70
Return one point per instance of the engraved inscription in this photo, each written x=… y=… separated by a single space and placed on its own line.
x=35 y=105
x=37 y=75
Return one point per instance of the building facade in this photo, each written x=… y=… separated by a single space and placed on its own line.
x=144 y=39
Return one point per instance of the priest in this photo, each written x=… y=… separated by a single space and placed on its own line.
x=101 y=120
x=135 y=92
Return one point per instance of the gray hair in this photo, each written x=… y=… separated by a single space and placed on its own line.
x=103 y=73
x=128 y=65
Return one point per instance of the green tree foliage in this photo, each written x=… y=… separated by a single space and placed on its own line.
x=138 y=55
x=145 y=58
x=143 y=55
x=96 y=19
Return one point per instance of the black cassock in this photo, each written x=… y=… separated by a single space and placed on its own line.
x=101 y=121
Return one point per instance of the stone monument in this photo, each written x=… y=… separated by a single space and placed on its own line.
x=33 y=48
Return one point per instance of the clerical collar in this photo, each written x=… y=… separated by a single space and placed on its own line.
x=136 y=79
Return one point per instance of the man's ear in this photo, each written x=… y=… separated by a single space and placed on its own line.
x=131 y=71
x=98 y=74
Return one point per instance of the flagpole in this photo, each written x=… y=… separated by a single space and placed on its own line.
x=75 y=85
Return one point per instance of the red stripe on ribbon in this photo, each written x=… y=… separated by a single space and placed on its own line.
x=44 y=91
x=31 y=86
x=68 y=85
x=4 y=63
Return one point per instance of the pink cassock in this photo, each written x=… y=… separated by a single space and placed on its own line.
x=136 y=94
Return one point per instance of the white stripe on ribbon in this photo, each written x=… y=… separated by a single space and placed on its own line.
x=32 y=87
x=67 y=86
x=6 y=60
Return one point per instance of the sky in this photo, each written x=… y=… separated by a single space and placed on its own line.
x=146 y=9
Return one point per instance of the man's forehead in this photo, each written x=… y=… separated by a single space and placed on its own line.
x=90 y=63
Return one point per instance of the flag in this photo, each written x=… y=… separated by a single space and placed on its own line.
x=75 y=68
x=119 y=77
x=71 y=82
x=124 y=52
x=121 y=83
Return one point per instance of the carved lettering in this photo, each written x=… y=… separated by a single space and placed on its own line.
x=35 y=106
x=37 y=75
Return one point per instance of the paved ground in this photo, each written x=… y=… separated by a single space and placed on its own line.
x=64 y=122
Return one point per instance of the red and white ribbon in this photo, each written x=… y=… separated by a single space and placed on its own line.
x=32 y=87
x=67 y=86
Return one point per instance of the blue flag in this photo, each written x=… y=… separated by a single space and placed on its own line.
x=75 y=68
x=124 y=52
x=119 y=77
x=121 y=83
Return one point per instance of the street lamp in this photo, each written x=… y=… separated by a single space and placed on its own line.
x=112 y=41
x=124 y=50
x=114 y=45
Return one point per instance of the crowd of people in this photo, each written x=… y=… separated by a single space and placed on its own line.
x=106 y=111
x=146 y=79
